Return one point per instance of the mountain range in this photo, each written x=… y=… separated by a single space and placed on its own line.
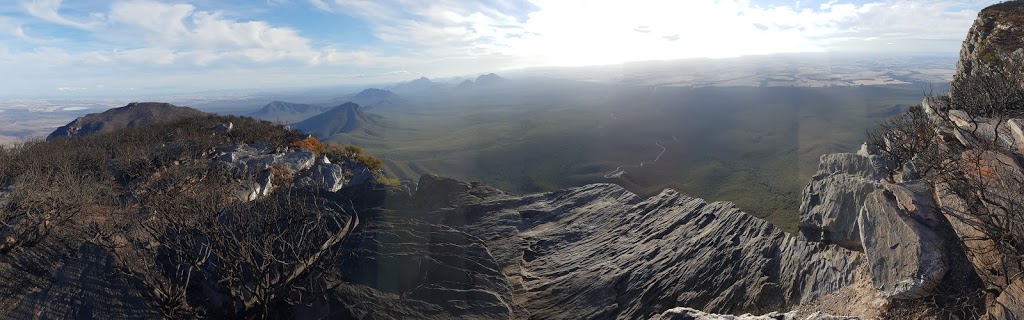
x=288 y=112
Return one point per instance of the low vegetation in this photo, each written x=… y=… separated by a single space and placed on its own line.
x=975 y=166
x=172 y=221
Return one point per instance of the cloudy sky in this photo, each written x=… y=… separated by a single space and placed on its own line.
x=54 y=47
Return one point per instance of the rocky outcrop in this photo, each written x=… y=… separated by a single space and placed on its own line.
x=597 y=251
x=898 y=225
x=324 y=175
x=993 y=43
x=1009 y=304
x=258 y=165
x=134 y=114
x=430 y=265
x=691 y=314
x=834 y=197
x=849 y=202
x=252 y=159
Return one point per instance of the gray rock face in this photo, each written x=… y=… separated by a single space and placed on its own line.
x=1009 y=304
x=906 y=257
x=255 y=159
x=991 y=44
x=445 y=271
x=252 y=190
x=691 y=314
x=599 y=251
x=434 y=192
x=592 y=252
x=833 y=198
x=84 y=284
x=327 y=176
x=897 y=226
x=360 y=174
x=224 y=127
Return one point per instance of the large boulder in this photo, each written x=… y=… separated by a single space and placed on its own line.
x=324 y=175
x=897 y=226
x=833 y=198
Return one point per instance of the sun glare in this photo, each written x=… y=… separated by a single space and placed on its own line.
x=576 y=33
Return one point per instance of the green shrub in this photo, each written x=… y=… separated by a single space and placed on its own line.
x=372 y=163
x=353 y=150
x=390 y=182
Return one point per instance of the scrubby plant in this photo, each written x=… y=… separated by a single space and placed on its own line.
x=902 y=138
x=372 y=163
x=175 y=223
x=390 y=182
x=310 y=144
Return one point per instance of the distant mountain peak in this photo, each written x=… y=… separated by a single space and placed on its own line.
x=482 y=80
x=418 y=85
x=344 y=118
x=374 y=93
x=286 y=111
x=489 y=78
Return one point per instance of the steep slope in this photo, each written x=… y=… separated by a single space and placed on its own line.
x=132 y=115
x=345 y=118
x=287 y=112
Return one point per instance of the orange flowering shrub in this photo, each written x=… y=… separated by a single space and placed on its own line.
x=309 y=144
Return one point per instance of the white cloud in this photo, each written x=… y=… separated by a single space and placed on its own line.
x=190 y=43
x=581 y=32
x=320 y=5
x=179 y=32
x=48 y=10
x=9 y=27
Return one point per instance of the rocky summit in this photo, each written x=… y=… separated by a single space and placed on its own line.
x=132 y=115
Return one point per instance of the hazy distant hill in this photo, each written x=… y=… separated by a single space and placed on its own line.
x=345 y=118
x=287 y=112
x=366 y=98
x=133 y=115
x=486 y=80
x=416 y=86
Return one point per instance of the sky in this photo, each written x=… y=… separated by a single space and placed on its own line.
x=86 y=47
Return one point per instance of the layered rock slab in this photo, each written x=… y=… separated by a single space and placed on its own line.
x=600 y=251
